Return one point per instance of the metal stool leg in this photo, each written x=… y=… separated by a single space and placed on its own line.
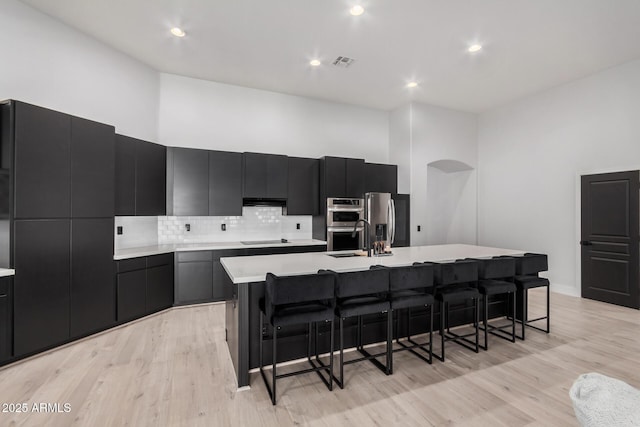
x=477 y=319
x=273 y=361
x=486 y=322
x=513 y=318
x=341 y=352
x=330 y=357
x=389 y=342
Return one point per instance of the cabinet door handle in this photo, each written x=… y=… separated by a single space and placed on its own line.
x=586 y=243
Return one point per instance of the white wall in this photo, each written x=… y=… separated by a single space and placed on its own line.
x=441 y=134
x=202 y=114
x=400 y=145
x=531 y=152
x=47 y=63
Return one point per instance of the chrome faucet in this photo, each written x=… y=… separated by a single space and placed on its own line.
x=367 y=234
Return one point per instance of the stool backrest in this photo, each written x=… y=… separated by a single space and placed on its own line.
x=411 y=277
x=496 y=268
x=452 y=273
x=299 y=289
x=530 y=264
x=367 y=282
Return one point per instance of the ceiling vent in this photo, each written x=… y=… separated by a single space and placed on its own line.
x=343 y=62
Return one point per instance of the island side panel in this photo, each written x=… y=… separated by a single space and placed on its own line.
x=237 y=330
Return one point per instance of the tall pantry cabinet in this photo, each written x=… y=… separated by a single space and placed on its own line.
x=59 y=201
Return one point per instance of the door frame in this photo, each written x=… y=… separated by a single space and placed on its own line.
x=577 y=289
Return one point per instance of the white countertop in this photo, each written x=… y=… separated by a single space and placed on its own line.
x=255 y=268
x=4 y=272
x=207 y=246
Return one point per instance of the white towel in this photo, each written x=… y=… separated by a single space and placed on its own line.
x=601 y=401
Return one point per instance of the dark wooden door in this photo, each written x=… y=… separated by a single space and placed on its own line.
x=132 y=295
x=225 y=183
x=125 y=179
x=303 y=197
x=334 y=178
x=354 y=171
x=41 y=291
x=92 y=169
x=380 y=178
x=151 y=179
x=159 y=282
x=190 y=178
x=609 y=238
x=93 y=288
x=42 y=163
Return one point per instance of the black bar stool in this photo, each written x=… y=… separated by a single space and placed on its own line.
x=527 y=277
x=293 y=300
x=360 y=293
x=457 y=282
x=496 y=277
x=413 y=287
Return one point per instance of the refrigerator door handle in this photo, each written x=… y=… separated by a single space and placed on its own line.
x=392 y=217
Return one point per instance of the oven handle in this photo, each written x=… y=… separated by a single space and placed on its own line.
x=343 y=229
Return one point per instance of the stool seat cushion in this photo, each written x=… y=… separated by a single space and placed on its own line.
x=302 y=313
x=456 y=294
x=496 y=287
x=407 y=299
x=528 y=282
x=358 y=306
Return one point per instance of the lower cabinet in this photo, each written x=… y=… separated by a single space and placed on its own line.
x=144 y=286
x=6 y=318
x=200 y=276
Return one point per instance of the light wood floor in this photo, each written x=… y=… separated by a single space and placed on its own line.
x=173 y=369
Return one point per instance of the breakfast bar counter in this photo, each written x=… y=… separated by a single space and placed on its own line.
x=246 y=276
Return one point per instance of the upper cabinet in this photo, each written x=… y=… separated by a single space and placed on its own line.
x=225 y=183
x=92 y=169
x=140 y=177
x=64 y=165
x=42 y=162
x=340 y=177
x=380 y=178
x=303 y=194
x=266 y=176
x=188 y=177
x=202 y=183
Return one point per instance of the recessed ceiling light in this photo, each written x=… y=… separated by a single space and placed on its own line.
x=474 y=48
x=315 y=62
x=356 y=10
x=411 y=85
x=178 y=32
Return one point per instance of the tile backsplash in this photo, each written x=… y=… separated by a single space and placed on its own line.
x=256 y=223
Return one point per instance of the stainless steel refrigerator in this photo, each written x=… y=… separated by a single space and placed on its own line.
x=380 y=212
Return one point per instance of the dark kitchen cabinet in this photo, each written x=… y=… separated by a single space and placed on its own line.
x=151 y=179
x=221 y=283
x=188 y=178
x=93 y=289
x=340 y=177
x=144 y=286
x=403 y=220
x=225 y=183
x=125 y=176
x=303 y=193
x=6 y=318
x=141 y=181
x=159 y=282
x=41 y=284
x=92 y=169
x=42 y=169
x=195 y=277
x=355 y=178
x=381 y=178
x=265 y=176
x=132 y=294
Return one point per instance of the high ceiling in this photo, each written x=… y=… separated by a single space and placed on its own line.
x=528 y=45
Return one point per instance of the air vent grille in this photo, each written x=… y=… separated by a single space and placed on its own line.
x=343 y=61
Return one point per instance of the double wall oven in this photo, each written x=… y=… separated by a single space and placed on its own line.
x=342 y=215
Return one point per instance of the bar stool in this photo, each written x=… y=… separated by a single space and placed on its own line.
x=496 y=277
x=360 y=293
x=457 y=282
x=527 y=277
x=412 y=287
x=293 y=300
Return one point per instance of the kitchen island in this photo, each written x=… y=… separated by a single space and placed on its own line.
x=246 y=276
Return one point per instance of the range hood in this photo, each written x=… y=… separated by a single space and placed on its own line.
x=278 y=203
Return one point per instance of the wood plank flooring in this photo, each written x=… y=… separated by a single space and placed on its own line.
x=173 y=369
